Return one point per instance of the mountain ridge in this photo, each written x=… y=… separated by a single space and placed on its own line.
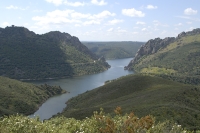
x=26 y=55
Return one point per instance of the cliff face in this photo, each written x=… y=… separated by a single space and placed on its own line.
x=153 y=45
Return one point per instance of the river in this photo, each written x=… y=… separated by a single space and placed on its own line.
x=78 y=85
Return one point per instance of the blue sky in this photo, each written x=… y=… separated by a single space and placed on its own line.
x=104 y=20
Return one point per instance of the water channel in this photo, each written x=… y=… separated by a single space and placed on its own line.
x=78 y=85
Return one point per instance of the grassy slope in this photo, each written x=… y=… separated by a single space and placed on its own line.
x=114 y=50
x=179 y=59
x=144 y=95
x=23 y=98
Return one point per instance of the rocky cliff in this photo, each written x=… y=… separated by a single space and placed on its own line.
x=154 y=45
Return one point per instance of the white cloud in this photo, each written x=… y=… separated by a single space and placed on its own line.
x=56 y=17
x=142 y=23
x=176 y=29
x=91 y=22
x=190 y=11
x=55 y=2
x=59 y=17
x=157 y=23
x=179 y=24
x=189 y=18
x=191 y=28
x=151 y=7
x=4 y=24
x=164 y=32
x=132 y=13
x=120 y=30
x=15 y=7
x=115 y=21
x=110 y=30
x=77 y=15
x=144 y=29
x=135 y=32
x=75 y=4
x=66 y=2
x=37 y=10
x=99 y=3
x=102 y=15
x=77 y=25
x=12 y=7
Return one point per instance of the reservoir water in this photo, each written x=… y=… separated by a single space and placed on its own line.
x=78 y=85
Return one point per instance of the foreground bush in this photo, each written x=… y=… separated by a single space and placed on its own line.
x=98 y=123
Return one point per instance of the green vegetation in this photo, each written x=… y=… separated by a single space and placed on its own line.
x=178 y=61
x=26 y=55
x=23 y=98
x=98 y=123
x=114 y=50
x=164 y=99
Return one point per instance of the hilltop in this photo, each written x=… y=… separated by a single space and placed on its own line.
x=173 y=58
x=114 y=50
x=23 y=98
x=26 y=55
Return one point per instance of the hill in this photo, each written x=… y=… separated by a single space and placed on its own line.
x=114 y=50
x=26 y=55
x=23 y=98
x=164 y=99
x=174 y=58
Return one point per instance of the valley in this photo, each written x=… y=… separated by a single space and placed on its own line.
x=165 y=83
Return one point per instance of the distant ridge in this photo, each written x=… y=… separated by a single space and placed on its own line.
x=114 y=49
x=26 y=55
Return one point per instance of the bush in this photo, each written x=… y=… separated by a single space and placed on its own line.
x=98 y=123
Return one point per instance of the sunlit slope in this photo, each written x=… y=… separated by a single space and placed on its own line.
x=179 y=60
x=23 y=98
x=144 y=95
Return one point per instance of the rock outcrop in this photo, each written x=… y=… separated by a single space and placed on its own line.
x=189 y=33
x=153 y=45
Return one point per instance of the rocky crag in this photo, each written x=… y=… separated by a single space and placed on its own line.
x=154 y=45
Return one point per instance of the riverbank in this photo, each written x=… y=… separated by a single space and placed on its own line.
x=78 y=85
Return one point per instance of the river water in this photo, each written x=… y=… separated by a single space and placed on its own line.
x=78 y=85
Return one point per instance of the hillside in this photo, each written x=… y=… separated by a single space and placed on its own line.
x=23 y=98
x=174 y=58
x=114 y=50
x=26 y=55
x=164 y=99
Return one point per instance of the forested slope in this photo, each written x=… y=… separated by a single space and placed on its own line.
x=142 y=94
x=23 y=98
x=26 y=55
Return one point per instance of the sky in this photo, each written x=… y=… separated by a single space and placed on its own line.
x=103 y=20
